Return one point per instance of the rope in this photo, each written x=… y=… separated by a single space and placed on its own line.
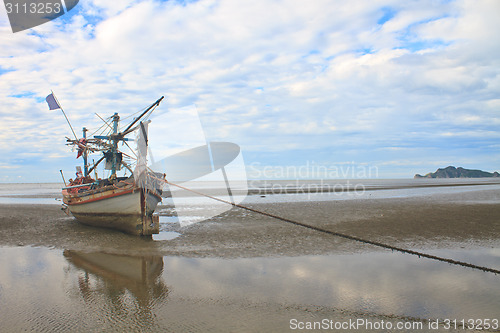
x=133 y=114
x=342 y=235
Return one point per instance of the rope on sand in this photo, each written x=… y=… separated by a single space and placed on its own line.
x=342 y=235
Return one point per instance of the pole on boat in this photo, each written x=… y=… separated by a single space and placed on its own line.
x=95 y=170
x=64 y=113
x=116 y=118
x=85 y=166
x=64 y=180
x=54 y=105
x=142 y=114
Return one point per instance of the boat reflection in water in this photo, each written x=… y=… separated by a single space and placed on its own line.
x=121 y=280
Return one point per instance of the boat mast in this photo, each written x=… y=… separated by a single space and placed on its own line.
x=114 y=139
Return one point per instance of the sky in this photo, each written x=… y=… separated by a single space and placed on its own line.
x=377 y=89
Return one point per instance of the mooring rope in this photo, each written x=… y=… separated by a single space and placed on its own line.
x=342 y=235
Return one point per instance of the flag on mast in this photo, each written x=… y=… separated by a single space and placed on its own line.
x=54 y=105
x=52 y=102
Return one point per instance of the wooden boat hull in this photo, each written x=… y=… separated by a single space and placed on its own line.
x=126 y=209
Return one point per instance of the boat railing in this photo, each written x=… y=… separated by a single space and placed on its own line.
x=75 y=186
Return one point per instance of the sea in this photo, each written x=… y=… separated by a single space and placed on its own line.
x=50 y=289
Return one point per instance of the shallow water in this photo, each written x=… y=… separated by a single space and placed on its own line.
x=277 y=191
x=51 y=290
x=29 y=201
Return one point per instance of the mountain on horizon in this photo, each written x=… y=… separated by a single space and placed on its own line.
x=452 y=172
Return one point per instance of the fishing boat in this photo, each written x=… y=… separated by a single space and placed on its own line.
x=122 y=203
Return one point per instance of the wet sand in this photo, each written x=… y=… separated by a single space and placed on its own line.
x=418 y=222
x=197 y=286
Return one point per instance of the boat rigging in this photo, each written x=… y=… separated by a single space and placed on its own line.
x=123 y=203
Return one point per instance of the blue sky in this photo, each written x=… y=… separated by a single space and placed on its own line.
x=401 y=86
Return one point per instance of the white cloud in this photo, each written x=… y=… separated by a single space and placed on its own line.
x=322 y=74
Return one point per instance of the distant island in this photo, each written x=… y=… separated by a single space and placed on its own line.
x=452 y=172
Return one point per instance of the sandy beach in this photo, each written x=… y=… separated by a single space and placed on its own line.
x=408 y=222
x=241 y=271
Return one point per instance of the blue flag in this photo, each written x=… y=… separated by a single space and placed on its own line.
x=51 y=101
